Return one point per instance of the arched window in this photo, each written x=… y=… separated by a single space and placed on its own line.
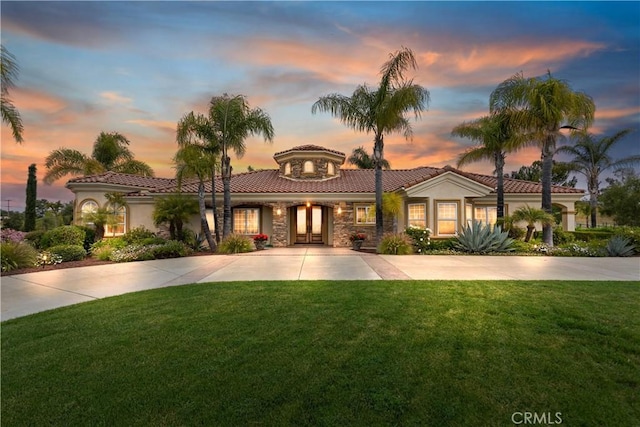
x=287 y=169
x=331 y=170
x=308 y=167
x=87 y=207
x=117 y=222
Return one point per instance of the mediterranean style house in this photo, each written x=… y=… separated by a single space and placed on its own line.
x=310 y=199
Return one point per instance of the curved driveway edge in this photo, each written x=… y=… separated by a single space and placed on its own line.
x=29 y=293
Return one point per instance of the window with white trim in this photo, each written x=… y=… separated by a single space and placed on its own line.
x=447 y=223
x=365 y=215
x=117 y=223
x=417 y=215
x=468 y=213
x=287 y=169
x=87 y=207
x=246 y=220
x=486 y=214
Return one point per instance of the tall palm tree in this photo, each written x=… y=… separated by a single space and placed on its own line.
x=543 y=106
x=110 y=153
x=193 y=161
x=10 y=114
x=591 y=157
x=531 y=216
x=380 y=111
x=199 y=130
x=362 y=160
x=175 y=209
x=234 y=121
x=496 y=137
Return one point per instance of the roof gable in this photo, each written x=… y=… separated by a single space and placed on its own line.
x=448 y=184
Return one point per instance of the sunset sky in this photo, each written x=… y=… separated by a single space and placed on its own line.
x=138 y=67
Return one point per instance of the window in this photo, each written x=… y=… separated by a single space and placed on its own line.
x=365 y=215
x=486 y=214
x=117 y=221
x=87 y=207
x=447 y=218
x=331 y=170
x=308 y=167
x=287 y=169
x=418 y=215
x=246 y=221
x=468 y=213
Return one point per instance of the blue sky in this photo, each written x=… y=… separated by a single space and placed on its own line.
x=137 y=67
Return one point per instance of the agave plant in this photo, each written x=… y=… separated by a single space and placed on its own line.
x=620 y=246
x=476 y=238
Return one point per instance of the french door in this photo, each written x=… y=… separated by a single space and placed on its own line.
x=309 y=224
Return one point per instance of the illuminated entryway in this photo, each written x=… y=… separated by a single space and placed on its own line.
x=309 y=224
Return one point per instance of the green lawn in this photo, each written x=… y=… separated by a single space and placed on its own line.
x=331 y=353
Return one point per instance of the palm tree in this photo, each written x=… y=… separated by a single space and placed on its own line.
x=543 y=106
x=234 y=121
x=175 y=209
x=362 y=160
x=99 y=219
x=531 y=216
x=592 y=157
x=496 y=137
x=380 y=111
x=193 y=161
x=199 y=130
x=10 y=114
x=110 y=153
x=115 y=201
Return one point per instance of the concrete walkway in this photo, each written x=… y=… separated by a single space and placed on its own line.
x=34 y=292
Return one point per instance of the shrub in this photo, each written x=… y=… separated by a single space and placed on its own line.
x=235 y=244
x=65 y=235
x=131 y=253
x=420 y=238
x=620 y=246
x=170 y=249
x=137 y=235
x=69 y=252
x=89 y=237
x=10 y=235
x=631 y=233
x=195 y=241
x=103 y=253
x=395 y=244
x=442 y=244
x=587 y=235
x=476 y=238
x=34 y=238
x=594 y=248
x=561 y=237
x=15 y=255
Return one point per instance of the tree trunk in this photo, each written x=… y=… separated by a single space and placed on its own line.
x=226 y=183
x=377 y=158
x=547 y=164
x=204 y=224
x=530 y=230
x=593 y=203
x=216 y=221
x=500 y=189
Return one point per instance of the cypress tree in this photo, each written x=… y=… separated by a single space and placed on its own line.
x=30 y=206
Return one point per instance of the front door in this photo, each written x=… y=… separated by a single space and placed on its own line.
x=309 y=224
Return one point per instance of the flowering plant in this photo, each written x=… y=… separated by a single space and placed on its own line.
x=357 y=236
x=260 y=238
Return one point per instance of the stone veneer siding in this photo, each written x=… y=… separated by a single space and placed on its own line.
x=319 y=165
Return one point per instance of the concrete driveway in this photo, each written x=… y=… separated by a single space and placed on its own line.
x=34 y=292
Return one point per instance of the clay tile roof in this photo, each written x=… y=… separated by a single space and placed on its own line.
x=124 y=179
x=349 y=181
x=308 y=147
